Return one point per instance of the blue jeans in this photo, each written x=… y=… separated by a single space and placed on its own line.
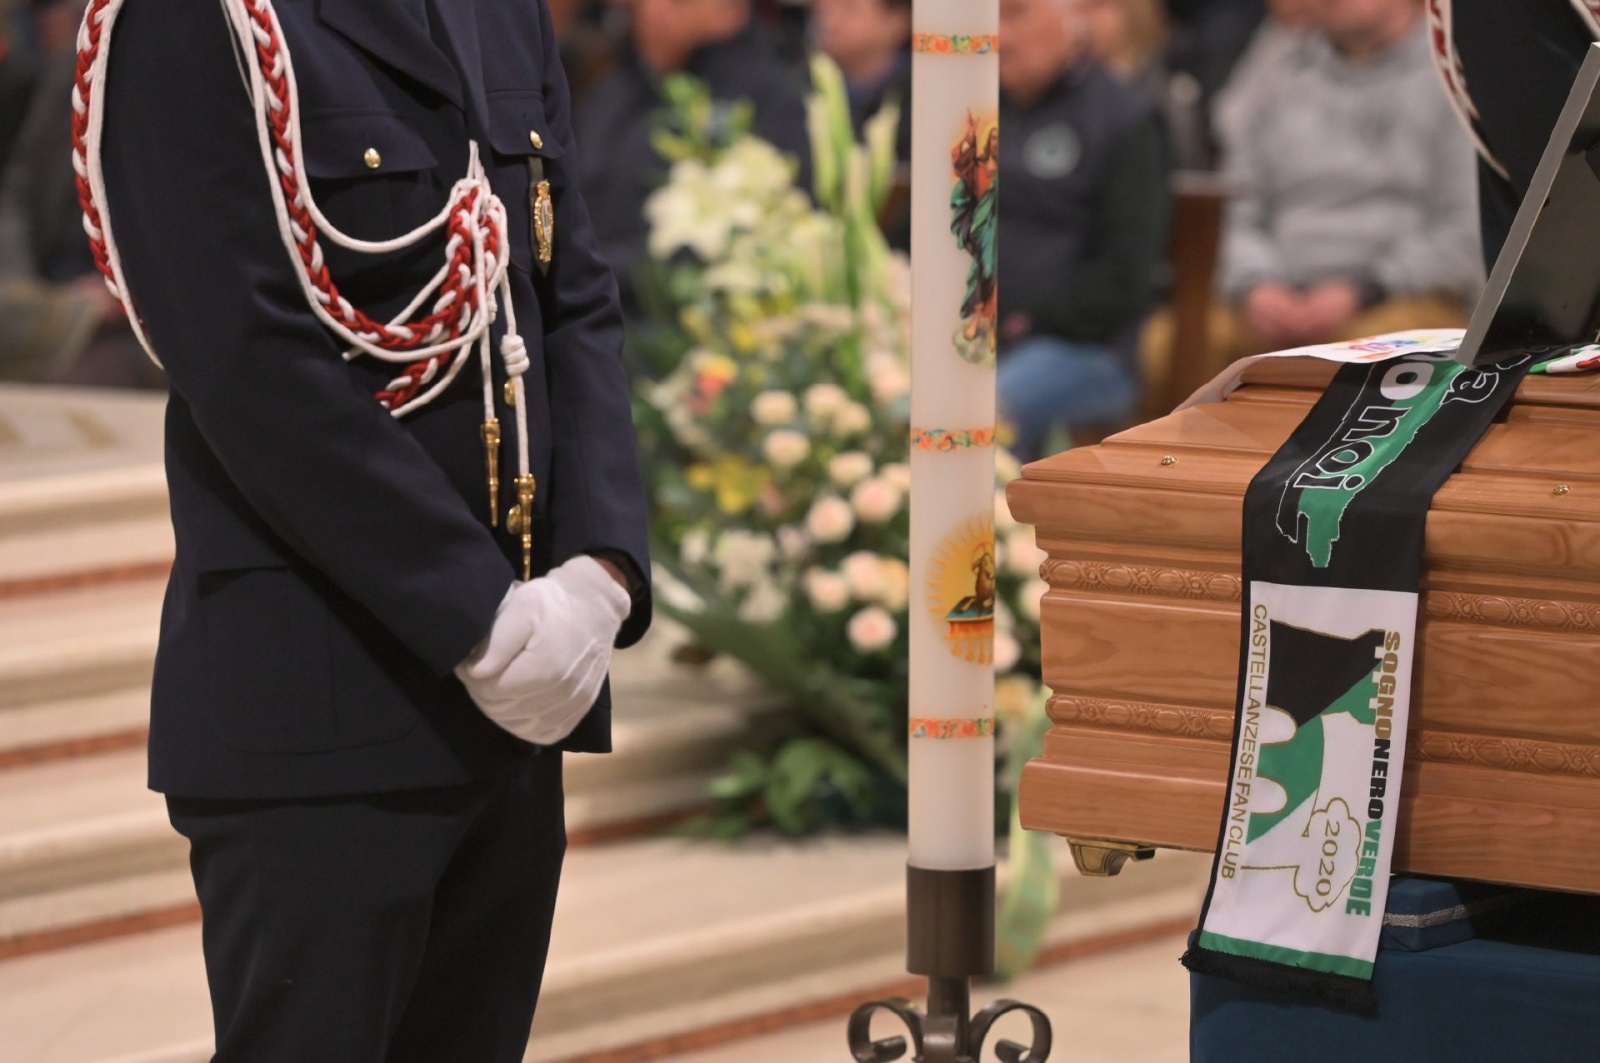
x=1044 y=381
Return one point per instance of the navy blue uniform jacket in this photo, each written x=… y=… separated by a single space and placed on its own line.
x=334 y=564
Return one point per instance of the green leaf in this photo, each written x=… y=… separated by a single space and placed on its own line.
x=881 y=133
x=746 y=777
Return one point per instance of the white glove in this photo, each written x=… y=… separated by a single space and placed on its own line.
x=541 y=668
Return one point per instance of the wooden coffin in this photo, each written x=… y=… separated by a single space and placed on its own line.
x=1141 y=634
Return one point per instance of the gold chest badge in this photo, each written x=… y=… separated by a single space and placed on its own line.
x=544 y=223
x=542 y=214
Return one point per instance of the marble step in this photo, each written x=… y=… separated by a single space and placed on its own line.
x=653 y=939
x=76 y=663
x=81 y=483
x=83 y=842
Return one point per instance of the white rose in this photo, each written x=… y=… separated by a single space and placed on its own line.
x=695 y=547
x=1007 y=652
x=823 y=401
x=889 y=382
x=896 y=584
x=1023 y=556
x=793 y=542
x=743 y=557
x=772 y=408
x=1028 y=598
x=849 y=468
x=876 y=500
x=830 y=520
x=872 y=629
x=764 y=604
x=853 y=420
x=864 y=572
x=898 y=473
x=786 y=448
x=829 y=591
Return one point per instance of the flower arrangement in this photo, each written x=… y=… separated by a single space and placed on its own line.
x=776 y=427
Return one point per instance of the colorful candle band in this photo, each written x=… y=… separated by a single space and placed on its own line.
x=934 y=727
x=956 y=43
x=951 y=439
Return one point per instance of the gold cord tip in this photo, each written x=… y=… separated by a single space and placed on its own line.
x=491 y=458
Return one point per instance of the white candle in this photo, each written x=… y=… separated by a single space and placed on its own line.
x=955 y=89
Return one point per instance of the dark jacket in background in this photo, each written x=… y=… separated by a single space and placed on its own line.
x=335 y=564
x=620 y=166
x=18 y=73
x=41 y=227
x=1086 y=206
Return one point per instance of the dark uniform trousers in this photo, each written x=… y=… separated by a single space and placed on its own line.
x=376 y=860
x=398 y=928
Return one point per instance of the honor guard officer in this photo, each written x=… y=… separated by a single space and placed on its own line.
x=408 y=509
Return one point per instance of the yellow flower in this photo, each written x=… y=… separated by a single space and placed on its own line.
x=1013 y=699
x=695 y=322
x=738 y=483
x=742 y=336
x=716 y=367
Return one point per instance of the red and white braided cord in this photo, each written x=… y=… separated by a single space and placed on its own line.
x=1589 y=11
x=467 y=292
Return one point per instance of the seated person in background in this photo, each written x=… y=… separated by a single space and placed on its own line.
x=713 y=41
x=1083 y=228
x=78 y=334
x=871 y=42
x=1355 y=207
x=17 y=72
x=1207 y=37
x=1277 y=41
x=1130 y=38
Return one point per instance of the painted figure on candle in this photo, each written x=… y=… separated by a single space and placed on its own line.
x=961 y=589
x=980 y=603
x=975 y=204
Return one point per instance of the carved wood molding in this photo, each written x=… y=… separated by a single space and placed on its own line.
x=1507 y=754
x=1507 y=611
x=1441 y=747
x=1143 y=717
x=1142 y=579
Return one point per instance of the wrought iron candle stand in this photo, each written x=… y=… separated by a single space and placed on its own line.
x=950 y=924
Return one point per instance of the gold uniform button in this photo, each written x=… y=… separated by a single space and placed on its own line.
x=535 y=139
x=372 y=159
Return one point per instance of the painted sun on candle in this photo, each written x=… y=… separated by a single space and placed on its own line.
x=961 y=589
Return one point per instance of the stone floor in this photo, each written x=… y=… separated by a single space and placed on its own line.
x=1130 y=1006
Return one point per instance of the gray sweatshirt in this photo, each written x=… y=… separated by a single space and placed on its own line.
x=1359 y=172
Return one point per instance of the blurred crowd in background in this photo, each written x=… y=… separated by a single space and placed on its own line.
x=1344 y=180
